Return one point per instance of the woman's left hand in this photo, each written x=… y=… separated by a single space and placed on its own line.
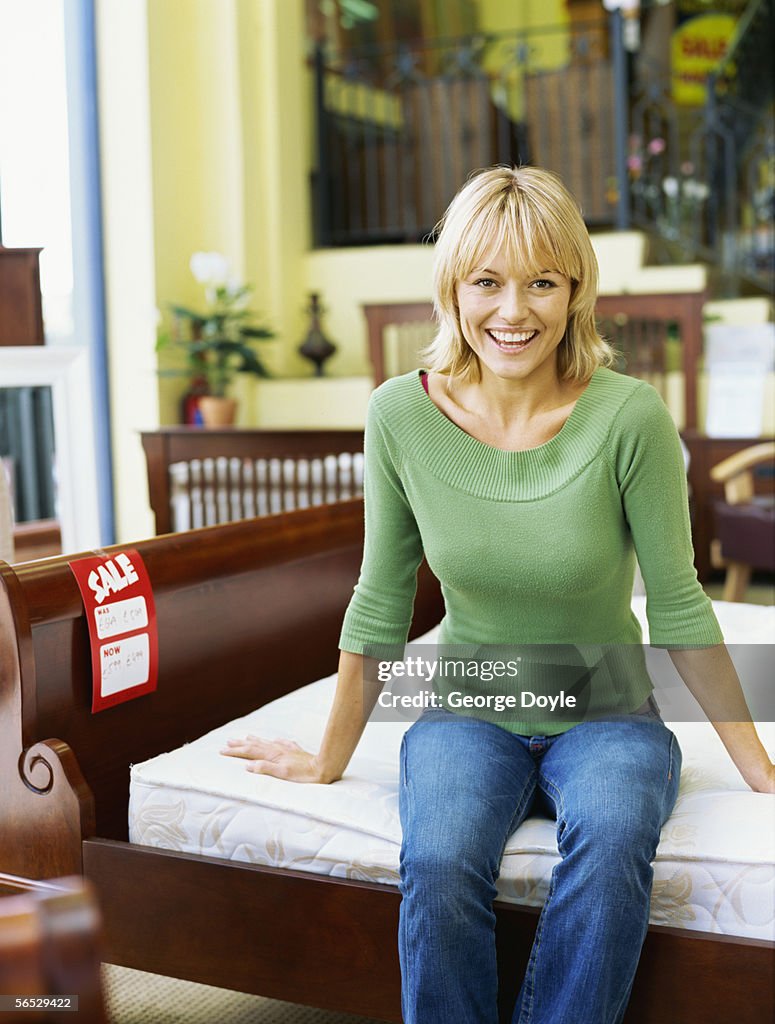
x=764 y=783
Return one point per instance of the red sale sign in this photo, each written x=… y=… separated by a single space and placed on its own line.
x=121 y=616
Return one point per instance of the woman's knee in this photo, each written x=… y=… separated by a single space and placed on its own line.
x=452 y=865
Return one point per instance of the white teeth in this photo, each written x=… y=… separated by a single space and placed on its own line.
x=512 y=338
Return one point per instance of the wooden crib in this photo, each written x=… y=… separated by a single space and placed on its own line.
x=204 y=477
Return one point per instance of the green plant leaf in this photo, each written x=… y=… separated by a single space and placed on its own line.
x=256 y=332
x=187 y=314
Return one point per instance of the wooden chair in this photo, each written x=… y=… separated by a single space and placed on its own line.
x=50 y=946
x=745 y=522
x=636 y=324
x=382 y=316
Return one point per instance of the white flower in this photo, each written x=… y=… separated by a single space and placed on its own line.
x=210 y=269
x=670 y=187
x=696 y=190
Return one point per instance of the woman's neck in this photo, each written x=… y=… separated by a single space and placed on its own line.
x=506 y=414
x=512 y=404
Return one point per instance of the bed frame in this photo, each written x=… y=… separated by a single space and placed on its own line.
x=247 y=612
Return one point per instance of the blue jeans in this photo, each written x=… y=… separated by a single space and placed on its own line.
x=466 y=785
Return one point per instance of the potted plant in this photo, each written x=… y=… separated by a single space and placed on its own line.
x=218 y=342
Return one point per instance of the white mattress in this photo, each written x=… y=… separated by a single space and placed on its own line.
x=714 y=868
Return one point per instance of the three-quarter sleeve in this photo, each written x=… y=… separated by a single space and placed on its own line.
x=652 y=482
x=380 y=610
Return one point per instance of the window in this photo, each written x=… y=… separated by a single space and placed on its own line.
x=34 y=159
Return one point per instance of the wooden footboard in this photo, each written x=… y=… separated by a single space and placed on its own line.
x=247 y=612
x=50 y=949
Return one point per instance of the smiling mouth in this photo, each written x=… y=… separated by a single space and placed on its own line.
x=511 y=341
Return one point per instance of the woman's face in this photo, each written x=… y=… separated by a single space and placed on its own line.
x=513 y=321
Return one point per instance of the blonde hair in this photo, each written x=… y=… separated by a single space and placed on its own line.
x=528 y=215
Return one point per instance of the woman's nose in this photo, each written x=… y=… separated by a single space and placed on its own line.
x=513 y=304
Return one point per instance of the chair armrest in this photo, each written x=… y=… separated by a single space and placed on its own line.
x=741 y=461
x=735 y=471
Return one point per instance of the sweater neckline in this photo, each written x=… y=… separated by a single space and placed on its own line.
x=503 y=451
x=427 y=437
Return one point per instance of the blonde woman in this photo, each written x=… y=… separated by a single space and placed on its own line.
x=529 y=474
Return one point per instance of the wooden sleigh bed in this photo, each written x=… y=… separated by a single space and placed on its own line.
x=248 y=601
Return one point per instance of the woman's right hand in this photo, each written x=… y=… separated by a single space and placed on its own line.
x=282 y=759
x=285 y=759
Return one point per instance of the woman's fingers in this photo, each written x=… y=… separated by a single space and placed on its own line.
x=252 y=747
x=291 y=769
x=282 y=759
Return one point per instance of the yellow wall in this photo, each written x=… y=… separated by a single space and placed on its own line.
x=347 y=278
x=549 y=50
x=228 y=116
x=205 y=120
x=497 y=16
x=197 y=149
x=276 y=119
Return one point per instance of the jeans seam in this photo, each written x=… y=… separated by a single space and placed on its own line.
x=524 y=796
x=530 y=970
x=556 y=794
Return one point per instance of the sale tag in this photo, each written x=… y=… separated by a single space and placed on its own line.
x=121 y=617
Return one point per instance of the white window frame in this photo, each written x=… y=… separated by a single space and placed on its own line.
x=65 y=369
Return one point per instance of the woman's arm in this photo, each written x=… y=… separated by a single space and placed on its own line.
x=379 y=612
x=712 y=679
x=285 y=759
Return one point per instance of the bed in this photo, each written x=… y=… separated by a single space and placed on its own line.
x=714 y=869
x=247 y=613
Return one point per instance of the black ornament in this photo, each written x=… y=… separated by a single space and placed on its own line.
x=316 y=347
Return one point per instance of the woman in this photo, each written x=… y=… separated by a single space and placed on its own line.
x=530 y=475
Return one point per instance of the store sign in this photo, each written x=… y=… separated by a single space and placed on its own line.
x=121 y=618
x=698 y=45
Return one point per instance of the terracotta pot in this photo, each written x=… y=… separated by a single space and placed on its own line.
x=217 y=412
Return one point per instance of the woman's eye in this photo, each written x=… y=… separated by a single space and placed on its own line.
x=486 y=282
x=542 y=284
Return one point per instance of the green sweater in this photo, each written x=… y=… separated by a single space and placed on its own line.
x=536 y=548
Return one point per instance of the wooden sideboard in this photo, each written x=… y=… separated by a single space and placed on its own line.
x=21 y=309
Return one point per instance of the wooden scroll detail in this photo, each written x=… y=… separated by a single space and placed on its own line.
x=45 y=804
